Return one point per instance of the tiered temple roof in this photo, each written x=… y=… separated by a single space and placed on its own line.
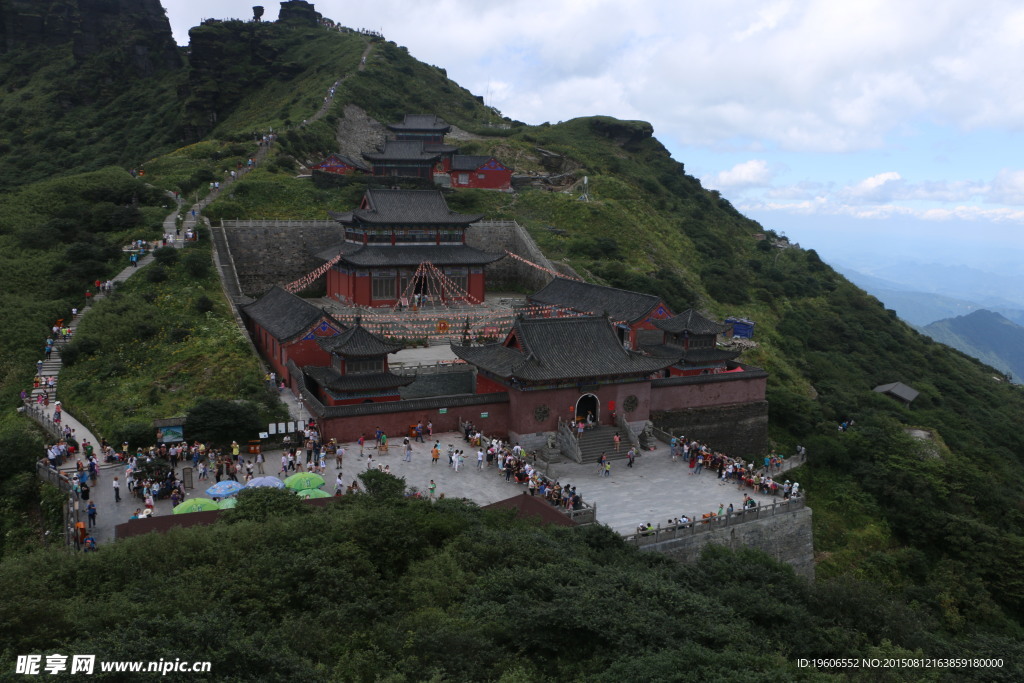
x=405 y=207
x=358 y=342
x=690 y=322
x=403 y=150
x=331 y=379
x=620 y=304
x=421 y=123
x=555 y=349
x=403 y=255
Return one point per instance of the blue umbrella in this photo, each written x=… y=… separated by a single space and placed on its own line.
x=224 y=488
x=272 y=482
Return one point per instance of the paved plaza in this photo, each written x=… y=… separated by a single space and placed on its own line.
x=653 y=490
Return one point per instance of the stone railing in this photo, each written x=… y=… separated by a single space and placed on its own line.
x=587 y=514
x=400 y=368
x=567 y=441
x=698 y=526
x=232 y=223
x=70 y=506
x=38 y=413
x=624 y=429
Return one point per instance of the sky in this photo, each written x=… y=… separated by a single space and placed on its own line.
x=873 y=132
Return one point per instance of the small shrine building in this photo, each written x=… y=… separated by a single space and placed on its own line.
x=285 y=327
x=358 y=372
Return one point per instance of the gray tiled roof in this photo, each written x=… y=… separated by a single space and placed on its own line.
x=388 y=256
x=358 y=342
x=283 y=315
x=561 y=348
x=402 y=150
x=424 y=122
x=620 y=304
x=690 y=321
x=899 y=390
x=408 y=207
x=330 y=378
x=343 y=248
x=346 y=160
x=691 y=356
x=439 y=148
x=466 y=162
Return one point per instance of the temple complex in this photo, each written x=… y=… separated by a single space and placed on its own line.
x=403 y=245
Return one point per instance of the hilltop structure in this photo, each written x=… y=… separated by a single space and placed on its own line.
x=403 y=245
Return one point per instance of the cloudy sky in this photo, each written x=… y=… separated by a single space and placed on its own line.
x=869 y=130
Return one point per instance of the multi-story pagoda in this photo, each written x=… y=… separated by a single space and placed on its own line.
x=692 y=340
x=403 y=243
x=411 y=159
x=425 y=127
x=358 y=372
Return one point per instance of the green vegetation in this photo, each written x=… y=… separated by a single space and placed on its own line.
x=415 y=590
x=68 y=110
x=155 y=346
x=56 y=237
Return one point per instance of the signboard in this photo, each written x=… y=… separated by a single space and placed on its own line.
x=482 y=415
x=170 y=434
x=280 y=428
x=272 y=428
x=264 y=435
x=443 y=411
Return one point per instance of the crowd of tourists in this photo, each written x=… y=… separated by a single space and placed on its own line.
x=760 y=475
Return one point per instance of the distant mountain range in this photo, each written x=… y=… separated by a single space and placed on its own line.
x=920 y=308
x=985 y=335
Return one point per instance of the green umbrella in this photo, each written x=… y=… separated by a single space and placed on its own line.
x=304 y=480
x=227 y=503
x=195 y=505
x=313 y=493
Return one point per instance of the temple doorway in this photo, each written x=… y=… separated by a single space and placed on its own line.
x=588 y=403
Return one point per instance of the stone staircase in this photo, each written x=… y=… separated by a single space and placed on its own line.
x=599 y=440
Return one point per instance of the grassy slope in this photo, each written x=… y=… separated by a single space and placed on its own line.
x=150 y=350
x=67 y=118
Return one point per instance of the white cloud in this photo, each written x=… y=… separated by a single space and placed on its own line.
x=753 y=173
x=1008 y=187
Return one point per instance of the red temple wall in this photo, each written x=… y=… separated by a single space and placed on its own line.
x=745 y=390
x=492 y=180
x=486 y=385
x=562 y=403
x=396 y=425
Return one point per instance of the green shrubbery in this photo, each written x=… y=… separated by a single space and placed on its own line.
x=417 y=590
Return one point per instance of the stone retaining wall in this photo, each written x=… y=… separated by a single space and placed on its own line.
x=739 y=430
x=787 y=537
